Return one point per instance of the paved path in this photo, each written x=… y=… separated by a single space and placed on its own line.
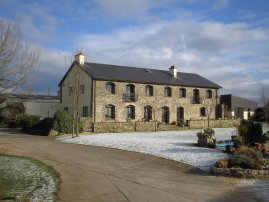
x=99 y=174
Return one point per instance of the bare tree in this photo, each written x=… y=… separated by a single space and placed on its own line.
x=76 y=92
x=210 y=106
x=17 y=59
x=265 y=102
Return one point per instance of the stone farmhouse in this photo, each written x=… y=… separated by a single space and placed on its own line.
x=113 y=93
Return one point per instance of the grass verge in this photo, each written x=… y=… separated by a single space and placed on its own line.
x=26 y=179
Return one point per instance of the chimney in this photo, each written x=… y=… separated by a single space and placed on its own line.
x=173 y=70
x=80 y=58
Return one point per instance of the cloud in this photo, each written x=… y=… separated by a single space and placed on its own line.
x=220 y=4
x=224 y=53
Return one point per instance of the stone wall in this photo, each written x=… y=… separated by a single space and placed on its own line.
x=157 y=101
x=218 y=123
x=119 y=127
x=240 y=173
x=86 y=122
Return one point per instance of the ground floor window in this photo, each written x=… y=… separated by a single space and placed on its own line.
x=66 y=109
x=110 y=111
x=85 y=111
x=130 y=112
x=165 y=114
x=147 y=113
x=202 y=111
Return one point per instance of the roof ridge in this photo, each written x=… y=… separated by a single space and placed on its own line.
x=137 y=67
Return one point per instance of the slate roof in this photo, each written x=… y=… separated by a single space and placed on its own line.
x=33 y=97
x=144 y=75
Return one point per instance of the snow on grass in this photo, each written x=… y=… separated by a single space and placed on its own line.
x=174 y=145
x=24 y=178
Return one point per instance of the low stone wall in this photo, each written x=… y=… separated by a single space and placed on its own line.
x=216 y=123
x=119 y=127
x=86 y=122
x=240 y=173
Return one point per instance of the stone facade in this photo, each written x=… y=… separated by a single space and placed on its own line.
x=96 y=97
x=157 y=102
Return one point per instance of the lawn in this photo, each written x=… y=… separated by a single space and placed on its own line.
x=174 y=145
x=25 y=179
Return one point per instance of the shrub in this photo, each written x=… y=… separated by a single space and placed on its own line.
x=243 y=161
x=11 y=113
x=63 y=123
x=44 y=126
x=251 y=131
x=222 y=163
x=181 y=123
x=28 y=122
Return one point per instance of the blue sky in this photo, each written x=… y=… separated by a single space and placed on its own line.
x=225 y=41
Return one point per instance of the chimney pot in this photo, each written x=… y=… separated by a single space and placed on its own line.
x=80 y=58
x=173 y=70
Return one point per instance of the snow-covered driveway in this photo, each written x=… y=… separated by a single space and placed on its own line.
x=174 y=145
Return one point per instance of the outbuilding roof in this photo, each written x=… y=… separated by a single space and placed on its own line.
x=144 y=75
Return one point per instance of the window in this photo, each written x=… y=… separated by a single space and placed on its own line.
x=85 y=111
x=130 y=89
x=165 y=115
x=167 y=92
x=182 y=92
x=196 y=97
x=110 y=87
x=130 y=112
x=81 y=88
x=202 y=111
x=66 y=109
x=149 y=90
x=209 y=94
x=147 y=113
x=110 y=111
x=70 y=90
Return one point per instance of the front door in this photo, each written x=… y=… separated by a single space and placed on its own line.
x=165 y=115
x=180 y=114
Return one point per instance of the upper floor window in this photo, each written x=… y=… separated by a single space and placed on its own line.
x=81 y=88
x=130 y=112
x=130 y=89
x=110 y=111
x=167 y=91
x=202 y=111
x=110 y=87
x=196 y=96
x=149 y=90
x=209 y=94
x=182 y=92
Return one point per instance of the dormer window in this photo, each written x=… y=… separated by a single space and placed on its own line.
x=167 y=91
x=110 y=87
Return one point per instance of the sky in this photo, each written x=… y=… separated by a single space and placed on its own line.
x=225 y=41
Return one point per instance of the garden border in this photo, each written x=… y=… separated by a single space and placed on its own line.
x=239 y=172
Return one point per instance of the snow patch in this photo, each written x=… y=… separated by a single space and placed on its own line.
x=173 y=145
